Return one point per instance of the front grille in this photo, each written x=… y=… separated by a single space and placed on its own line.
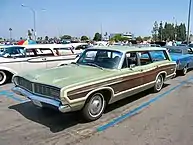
x=24 y=84
x=41 y=89
x=46 y=90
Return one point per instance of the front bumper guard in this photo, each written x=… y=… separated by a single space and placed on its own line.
x=62 y=108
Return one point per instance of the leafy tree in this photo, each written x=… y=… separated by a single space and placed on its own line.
x=181 y=32
x=46 y=38
x=139 y=39
x=146 y=38
x=118 y=38
x=97 y=37
x=84 y=38
x=65 y=37
x=155 y=31
x=160 y=31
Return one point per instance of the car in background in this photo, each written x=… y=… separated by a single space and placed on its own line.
x=99 y=77
x=183 y=56
x=15 y=59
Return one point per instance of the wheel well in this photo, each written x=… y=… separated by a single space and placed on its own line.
x=163 y=75
x=8 y=73
x=106 y=93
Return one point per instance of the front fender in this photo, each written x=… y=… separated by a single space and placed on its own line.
x=8 y=69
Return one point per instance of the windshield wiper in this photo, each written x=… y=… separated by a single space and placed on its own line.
x=95 y=65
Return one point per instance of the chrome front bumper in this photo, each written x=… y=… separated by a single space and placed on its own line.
x=42 y=100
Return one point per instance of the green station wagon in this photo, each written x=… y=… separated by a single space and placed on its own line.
x=99 y=77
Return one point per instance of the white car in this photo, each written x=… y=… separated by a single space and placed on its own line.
x=15 y=59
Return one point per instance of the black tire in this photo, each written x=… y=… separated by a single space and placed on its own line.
x=184 y=71
x=3 y=77
x=94 y=107
x=159 y=84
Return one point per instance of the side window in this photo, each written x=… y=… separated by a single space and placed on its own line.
x=130 y=60
x=144 y=58
x=158 y=55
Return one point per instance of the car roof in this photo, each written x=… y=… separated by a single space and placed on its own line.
x=126 y=49
x=8 y=46
x=177 y=47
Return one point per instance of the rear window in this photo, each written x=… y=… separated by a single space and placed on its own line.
x=158 y=55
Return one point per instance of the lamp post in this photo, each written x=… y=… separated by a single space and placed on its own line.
x=34 y=18
x=189 y=16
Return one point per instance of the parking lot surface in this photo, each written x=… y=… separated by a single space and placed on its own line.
x=163 y=118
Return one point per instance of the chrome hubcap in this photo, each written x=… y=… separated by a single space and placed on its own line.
x=96 y=106
x=1 y=76
x=185 y=70
x=159 y=83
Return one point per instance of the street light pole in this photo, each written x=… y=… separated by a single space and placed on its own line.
x=189 y=16
x=34 y=19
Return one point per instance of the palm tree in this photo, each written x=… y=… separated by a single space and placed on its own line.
x=10 y=33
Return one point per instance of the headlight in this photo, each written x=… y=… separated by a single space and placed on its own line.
x=15 y=80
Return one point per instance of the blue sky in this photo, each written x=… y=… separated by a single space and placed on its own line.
x=84 y=17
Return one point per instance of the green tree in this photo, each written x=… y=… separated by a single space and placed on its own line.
x=146 y=38
x=181 y=32
x=97 y=37
x=65 y=37
x=84 y=38
x=46 y=38
x=169 y=32
x=139 y=39
x=155 y=31
x=118 y=38
x=160 y=31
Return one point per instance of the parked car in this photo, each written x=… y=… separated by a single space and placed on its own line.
x=183 y=56
x=15 y=59
x=99 y=77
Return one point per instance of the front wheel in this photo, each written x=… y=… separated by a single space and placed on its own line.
x=3 y=77
x=159 y=83
x=184 y=71
x=94 y=107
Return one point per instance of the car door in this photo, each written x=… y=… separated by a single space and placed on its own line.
x=135 y=76
x=147 y=68
x=131 y=80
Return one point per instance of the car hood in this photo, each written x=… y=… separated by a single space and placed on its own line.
x=68 y=75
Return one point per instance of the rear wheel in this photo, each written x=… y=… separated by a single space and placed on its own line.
x=3 y=77
x=94 y=107
x=159 y=83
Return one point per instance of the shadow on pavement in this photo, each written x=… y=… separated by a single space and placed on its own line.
x=129 y=99
x=57 y=121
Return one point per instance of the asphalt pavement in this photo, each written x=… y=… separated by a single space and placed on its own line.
x=163 y=118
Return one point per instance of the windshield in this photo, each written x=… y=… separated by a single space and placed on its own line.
x=12 y=51
x=175 y=50
x=101 y=58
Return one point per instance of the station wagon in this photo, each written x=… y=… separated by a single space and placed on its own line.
x=101 y=76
